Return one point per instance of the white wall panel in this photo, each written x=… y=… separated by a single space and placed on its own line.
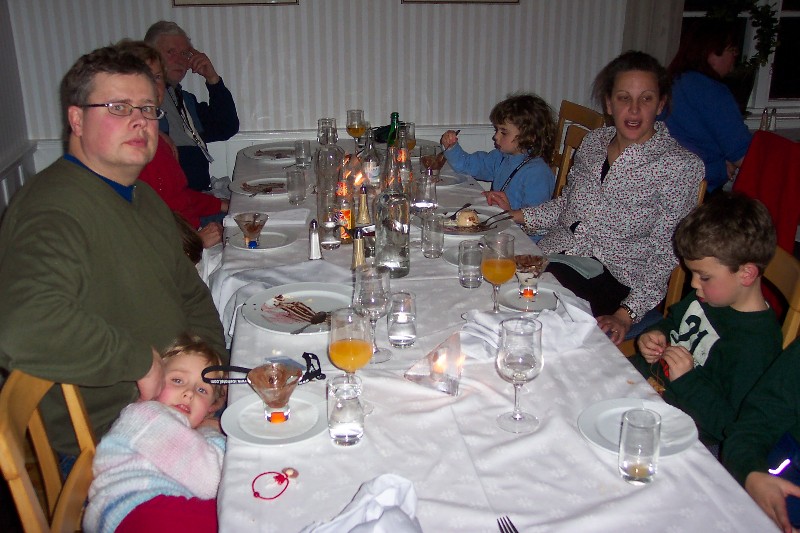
x=288 y=65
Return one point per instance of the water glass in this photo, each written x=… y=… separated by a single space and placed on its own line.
x=296 y=186
x=345 y=412
x=639 y=445
x=469 y=264
x=432 y=235
x=302 y=153
x=401 y=321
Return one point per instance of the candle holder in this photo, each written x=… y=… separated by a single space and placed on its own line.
x=441 y=368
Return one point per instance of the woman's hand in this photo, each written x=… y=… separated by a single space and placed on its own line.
x=151 y=384
x=497 y=198
x=652 y=345
x=770 y=493
x=449 y=138
x=616 y=326
x=210 y=234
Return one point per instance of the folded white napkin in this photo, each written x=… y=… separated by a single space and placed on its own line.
x=289 y=217
x=211 y=260
x=387 y=504
x=562 y=329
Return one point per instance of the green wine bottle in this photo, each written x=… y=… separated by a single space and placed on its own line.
x=391 y=137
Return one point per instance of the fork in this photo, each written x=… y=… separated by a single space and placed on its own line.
x=505 y=525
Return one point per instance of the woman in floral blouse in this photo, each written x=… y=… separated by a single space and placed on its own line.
x=629 y=186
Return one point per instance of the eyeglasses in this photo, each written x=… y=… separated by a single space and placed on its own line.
x=121 y=109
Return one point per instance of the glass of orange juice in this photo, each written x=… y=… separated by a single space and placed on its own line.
x=497 y=262
x=350 y=346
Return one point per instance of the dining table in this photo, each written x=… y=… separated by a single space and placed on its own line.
x=460 y=471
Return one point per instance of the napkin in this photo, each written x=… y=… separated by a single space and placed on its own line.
x=210 y=262
x=587 y=267
x=290 y=217
x=563 y=329
x=386 y=504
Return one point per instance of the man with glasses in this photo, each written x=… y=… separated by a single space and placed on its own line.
x=93 y=279
x=192 y=124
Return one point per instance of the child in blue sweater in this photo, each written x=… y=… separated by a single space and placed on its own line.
x=519 y=166
x=158 y=468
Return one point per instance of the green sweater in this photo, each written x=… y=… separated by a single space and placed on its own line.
x=771 y=409
x=88 y=284
x=731 y=350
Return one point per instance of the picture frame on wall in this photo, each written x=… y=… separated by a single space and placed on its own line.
x=186 y=3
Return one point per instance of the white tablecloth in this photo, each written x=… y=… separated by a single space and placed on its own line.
x=465 y=470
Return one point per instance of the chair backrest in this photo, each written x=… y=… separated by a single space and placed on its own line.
x=573 y=113
x=770 y=172
x=784 y=273
x=19 y=415
x=572 y=141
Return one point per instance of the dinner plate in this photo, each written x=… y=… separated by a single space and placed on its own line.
x=601 y=424
x=262 y=310
x=450 y=229
x=239 y=187
x=266 y=152
x=450 y=181
x=244 y=420
x=509 y=297
x=270 y=239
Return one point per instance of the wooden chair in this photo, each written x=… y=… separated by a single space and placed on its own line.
x=62 y=510
x=572 y=113
x=783 y=272
x=675 y=286
x=572 y=141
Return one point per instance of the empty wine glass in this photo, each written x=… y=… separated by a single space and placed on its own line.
x=371 y=299
x=356 y=127
x=497 y=262
x=519 y=360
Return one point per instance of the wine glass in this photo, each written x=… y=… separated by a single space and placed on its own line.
x=371 y=299
x=519 y=360
x=411 y=135
x=356 y=127
x=432 y=159
x=497 y=262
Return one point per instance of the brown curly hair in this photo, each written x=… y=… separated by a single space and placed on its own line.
x=534 y=119
x=732 y=228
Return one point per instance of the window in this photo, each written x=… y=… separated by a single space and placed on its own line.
x=777 y=84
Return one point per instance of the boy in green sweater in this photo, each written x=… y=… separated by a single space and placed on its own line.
x=716 y=342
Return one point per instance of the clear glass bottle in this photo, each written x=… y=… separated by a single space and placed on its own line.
x=394 y=127
x=403 y=155
x=392 y=219
x=328 y=166
x=371 y=160
x=345 y=192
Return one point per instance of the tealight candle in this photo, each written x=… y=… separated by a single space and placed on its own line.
x=439 y=365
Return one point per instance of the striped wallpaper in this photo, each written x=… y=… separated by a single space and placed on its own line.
x=288 y=65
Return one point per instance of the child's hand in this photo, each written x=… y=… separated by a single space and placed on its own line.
x=770 y=494
x=652 y=345
x=497 y=198
x=680 y=361
x=449 y=138
x=151 y=384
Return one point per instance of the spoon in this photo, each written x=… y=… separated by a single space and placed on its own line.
x=454 y=215
x=318 y=318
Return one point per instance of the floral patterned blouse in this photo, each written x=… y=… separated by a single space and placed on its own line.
x=627 y=219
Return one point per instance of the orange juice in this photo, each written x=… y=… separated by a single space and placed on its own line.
x=498 y=271
x=411 y=144
x=350 y=354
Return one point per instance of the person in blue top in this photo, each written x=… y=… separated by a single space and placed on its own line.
x=704 y=117
x=518 y=166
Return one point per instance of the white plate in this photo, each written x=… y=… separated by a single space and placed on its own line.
x=270 y=239
x=267 y=152
x=483 y=214
x=260 y=309
x=601 y=423
x=244 y=420
x=450 y=181
x=509 y=297
x=236 y=187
